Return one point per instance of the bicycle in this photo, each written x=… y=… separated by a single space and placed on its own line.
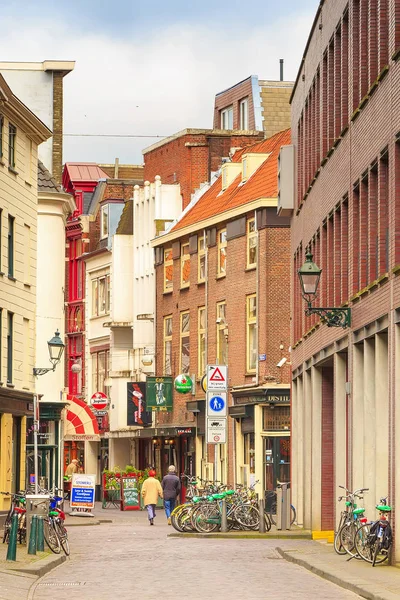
x=271 y=505
x=374 y=540
x=17 y=506
x=350 y=520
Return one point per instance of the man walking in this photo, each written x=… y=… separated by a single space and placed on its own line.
x=151 y=489
x=171 y=488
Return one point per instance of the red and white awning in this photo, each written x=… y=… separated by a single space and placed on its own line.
x=81 y=423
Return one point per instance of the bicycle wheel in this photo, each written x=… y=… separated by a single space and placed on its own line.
x=272 y=512
x=62 y=536
x=248 y=516
x=184 y=519
x=7 y=529
x=337 y=544
x=363 y=543
x=347 y=535
x=175 y=517
x=207 y=518
x=380 y=554
x=50 y=536
x=292 y=514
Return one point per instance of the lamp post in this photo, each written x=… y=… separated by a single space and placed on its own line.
x=56 y=348
x=309 y=275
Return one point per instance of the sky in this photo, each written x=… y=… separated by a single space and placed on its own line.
x=151 y=68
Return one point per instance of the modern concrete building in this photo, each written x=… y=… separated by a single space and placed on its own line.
x=346 y=212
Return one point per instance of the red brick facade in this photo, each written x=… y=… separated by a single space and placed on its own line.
x=232 y=97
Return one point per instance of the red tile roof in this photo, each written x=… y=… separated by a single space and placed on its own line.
x=85 y=171
x=263 y=183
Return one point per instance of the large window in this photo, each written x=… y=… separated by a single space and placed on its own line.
x=251 y=306
x=12 y=136
x=251 y=243
x=222 y=252
x=168 y=345
x=101 y=296
x=227 y=118
x=100 y=370
x=201 y=332
x=244 y=114
x=11 y=221
x=168 y=270
x=10 y=334
x=185 y=266
x=222 y=334
x=201 y=276
x=185 y=343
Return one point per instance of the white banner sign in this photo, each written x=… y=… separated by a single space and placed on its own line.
x=217 y=377
x=216 y=431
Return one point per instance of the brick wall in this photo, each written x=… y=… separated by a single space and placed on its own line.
x=275 y=105
x=57 y=125
x=232 y=97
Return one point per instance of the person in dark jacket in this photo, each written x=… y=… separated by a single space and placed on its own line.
x=171 y=488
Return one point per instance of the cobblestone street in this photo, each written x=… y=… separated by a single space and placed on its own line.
x=128 y=559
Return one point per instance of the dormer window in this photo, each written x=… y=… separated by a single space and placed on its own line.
x=244 y=114
x=110 y=216
x=244 y=169
x=227 y=118
x=104 y=221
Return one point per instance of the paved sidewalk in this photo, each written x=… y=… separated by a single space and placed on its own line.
x=376 y=583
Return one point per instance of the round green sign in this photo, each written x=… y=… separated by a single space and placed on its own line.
x=183 y=384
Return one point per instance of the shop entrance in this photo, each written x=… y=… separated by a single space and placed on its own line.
x=276 y=460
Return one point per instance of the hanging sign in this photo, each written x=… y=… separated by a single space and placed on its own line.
x=99 y=401
x=159 y=393
x=130 y=495
x=137 y=413
x=183 y=384
x=217 y=377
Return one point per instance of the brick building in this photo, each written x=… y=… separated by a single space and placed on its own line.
x=222 y=273
x=254 y=104
x=192 y=156
x=346 y=136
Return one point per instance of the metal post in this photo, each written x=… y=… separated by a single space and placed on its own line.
x=12 y=540
x=35 y=441
x=224 y=520
x=40 y=534
x=262 y=518
x=32 y=536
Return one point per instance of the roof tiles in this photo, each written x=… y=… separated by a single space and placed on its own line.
x=85 y=171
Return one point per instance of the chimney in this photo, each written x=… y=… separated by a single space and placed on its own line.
x=281 y=69
x=116 y=168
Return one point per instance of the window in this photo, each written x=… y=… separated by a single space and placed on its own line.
x=244 y=113
x=201 y=259
x=168 y=270
x=101 y=296
x=1 y=239
x=222 y=252
x=10 y=320
x=104 y=221
x=222 y=334
x=201 y=332
x=27 y=258
x=185 y=343
x=249 y=451
x=11 y=246
x=1 y=344
x=12 y=134
x=100 y=371
x=244 y=169
x=167 y=345
x=251 y=243
x=1 y=135
x=185 y=265
x=227 y=118
x=251 y=303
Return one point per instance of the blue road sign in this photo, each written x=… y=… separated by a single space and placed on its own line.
x=217 y=404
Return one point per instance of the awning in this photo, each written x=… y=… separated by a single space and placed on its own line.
x=81 y=422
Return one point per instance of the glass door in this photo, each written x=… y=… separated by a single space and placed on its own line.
x=276 y=461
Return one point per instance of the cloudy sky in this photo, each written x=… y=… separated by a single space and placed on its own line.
x=152 y=67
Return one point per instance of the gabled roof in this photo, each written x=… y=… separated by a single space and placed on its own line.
x=263 y=183
x=79 y=171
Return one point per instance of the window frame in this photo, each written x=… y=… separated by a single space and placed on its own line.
x=1 y=136
x=168 y=262
x=10 y=344
x=201 y=254
x=201 y=339
x=244 y=118
x=227 y=114
x=184 y=336
x=11 y=245
x=167 y=339
x=222 y=348
x=104 y=222
x=251 y=325
x=105 y=372
x=185 y=258
x=251 y=235
x=222 y=249
x=96 y=282
x=12 y=138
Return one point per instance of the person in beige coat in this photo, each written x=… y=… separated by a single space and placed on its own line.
x=151 y=490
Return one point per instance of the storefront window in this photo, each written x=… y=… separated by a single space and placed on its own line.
x=249 y=451
x=276 y=418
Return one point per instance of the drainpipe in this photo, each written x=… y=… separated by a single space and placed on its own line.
x=257 y=299
x=206 y=333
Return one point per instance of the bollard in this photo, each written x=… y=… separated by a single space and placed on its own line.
x=262 y=517
x=32 y=537
x=40 y=534
x=12 y=540
x=224 y=521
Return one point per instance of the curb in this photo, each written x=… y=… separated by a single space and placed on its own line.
x=325 y=573
x=245 y=536
x=48 y=563
x=82 y=523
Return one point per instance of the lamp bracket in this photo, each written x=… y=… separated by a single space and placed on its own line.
x=333 y=317
x=42 y=371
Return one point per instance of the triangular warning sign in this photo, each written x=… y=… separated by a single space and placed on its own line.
x=217 y=375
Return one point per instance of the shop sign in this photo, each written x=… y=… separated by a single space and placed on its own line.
x=159 y=393
x=184 y=431
x=82 y=437
x=183 y=384
x=99 y=401
x=82 y=490
x=137 y=413
x=282 y=396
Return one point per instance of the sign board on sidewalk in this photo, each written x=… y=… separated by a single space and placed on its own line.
x=216 y=430
x=217 y=377
x=82 y=490
x=216 y=404
x=130 y=495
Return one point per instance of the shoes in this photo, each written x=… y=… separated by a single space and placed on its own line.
x=151 y=522
x=169 y=521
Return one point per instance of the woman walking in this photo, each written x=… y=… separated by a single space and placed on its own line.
x=151 y=490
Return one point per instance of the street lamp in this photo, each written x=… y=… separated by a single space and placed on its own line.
x=56 y=348
x=309 y=275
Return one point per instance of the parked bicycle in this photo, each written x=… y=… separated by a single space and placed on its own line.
x=271 y=505
x=17 y=507
x=374 y=540
x=350 y=520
